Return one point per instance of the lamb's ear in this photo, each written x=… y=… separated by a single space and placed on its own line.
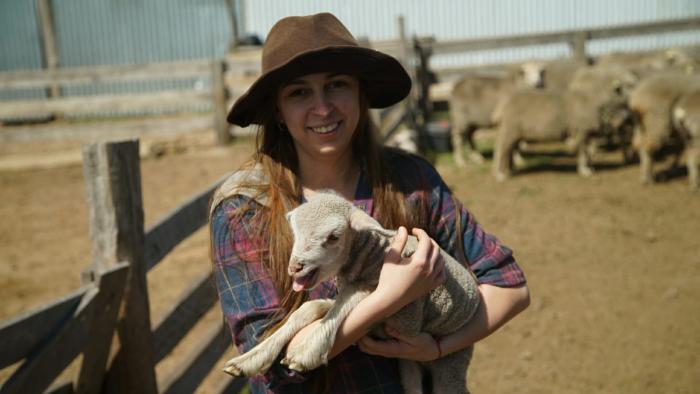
x=361 y=221
x=288 y=216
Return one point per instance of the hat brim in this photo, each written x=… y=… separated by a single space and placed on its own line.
x=386 y=81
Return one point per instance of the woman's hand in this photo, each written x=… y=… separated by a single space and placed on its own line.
x=403 y=280
x=422 y=347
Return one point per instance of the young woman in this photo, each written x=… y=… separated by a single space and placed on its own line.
x=312 y=103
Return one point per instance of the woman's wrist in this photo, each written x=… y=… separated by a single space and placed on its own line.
x=437 y=340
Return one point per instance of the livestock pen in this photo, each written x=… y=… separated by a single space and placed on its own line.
x=49 y=338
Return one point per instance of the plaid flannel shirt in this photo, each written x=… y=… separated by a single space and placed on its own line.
x=248 y=297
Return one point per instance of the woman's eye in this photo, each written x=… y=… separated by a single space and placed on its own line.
x=297 y=93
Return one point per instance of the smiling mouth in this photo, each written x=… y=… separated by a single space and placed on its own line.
x=306 y=281
x=325 y=129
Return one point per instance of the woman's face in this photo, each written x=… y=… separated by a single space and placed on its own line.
x=321 y=112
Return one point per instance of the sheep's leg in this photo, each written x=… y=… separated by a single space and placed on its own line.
x=314 y=351
x=457 y=143
x=260 y=358
x=645 y=166
x=411 y=376
x=502 y=153
x=449 y=373
x=584 y=159
x=693 y=163
x=474 y=154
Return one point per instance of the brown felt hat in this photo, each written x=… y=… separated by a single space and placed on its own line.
x=300 y=45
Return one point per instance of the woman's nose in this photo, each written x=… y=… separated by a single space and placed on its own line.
x=322 y=105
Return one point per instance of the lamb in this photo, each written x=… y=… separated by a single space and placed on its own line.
x=596 y=97
x=334 y=238
x=652 y=103
x=686 y=118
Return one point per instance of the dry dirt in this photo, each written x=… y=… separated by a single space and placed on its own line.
x=613 y=266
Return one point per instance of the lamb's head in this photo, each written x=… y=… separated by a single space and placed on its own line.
x=324 y=229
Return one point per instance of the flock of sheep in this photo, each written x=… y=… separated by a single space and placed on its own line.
x=641 y=103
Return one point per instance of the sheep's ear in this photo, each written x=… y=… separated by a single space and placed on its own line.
x=361 y=221
x=288 y=216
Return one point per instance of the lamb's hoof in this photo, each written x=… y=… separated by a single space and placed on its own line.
x=232 y=370
x=293 y=365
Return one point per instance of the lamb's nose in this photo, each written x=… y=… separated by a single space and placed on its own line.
x=295 y=266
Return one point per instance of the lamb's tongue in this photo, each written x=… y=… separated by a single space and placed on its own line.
x=302 y=282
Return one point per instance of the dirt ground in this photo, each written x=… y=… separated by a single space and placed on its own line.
x=613 y=266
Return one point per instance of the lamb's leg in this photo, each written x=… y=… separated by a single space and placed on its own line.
x=314 y=351
x=411 y=376
x=260 y=358
x=449 y=373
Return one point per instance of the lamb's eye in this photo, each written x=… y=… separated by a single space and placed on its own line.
x=332 y=238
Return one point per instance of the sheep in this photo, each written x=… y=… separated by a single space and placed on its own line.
x=556 y=75
x=405 y=139
x=648 y=63
x=652 y=104
x=334 y=238
x=596 y=97
x=686 y=118
x=474 y=100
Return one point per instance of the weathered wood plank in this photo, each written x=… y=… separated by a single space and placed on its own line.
x=108 y=130
x=179 y=224
x=47 y=362
x=477 y=44
x=228 y=384
x=219 y=103
x=132 y=370
x=186 y=311
x=48 y=41
x=24 y=333
x=42 y=367
x=27 y=79
x=97 y=347
x=198 y=363
x=64 y=387
x=117 y=103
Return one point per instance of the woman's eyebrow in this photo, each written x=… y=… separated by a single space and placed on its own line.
x=294 y=82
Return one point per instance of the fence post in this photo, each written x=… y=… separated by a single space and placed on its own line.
x=578 y=45
x=113 y=179
x=223 y=134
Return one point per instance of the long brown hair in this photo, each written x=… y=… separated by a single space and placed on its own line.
x=276 y=154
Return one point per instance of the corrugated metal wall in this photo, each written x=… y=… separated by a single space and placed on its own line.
x=454 y=19
x=91 y=32
x=95 y=32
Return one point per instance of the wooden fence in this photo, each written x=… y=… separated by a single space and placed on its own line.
x=51 y=337
x=219 y=82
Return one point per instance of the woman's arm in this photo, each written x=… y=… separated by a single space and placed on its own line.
x=498 y=306
x=402 y=280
